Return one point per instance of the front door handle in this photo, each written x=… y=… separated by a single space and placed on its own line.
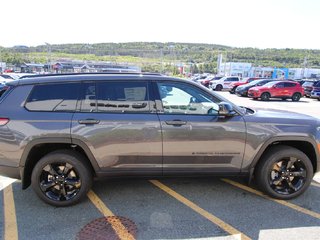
x=176 y=123
x=89 y=121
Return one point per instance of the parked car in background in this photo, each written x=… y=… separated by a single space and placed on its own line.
x=277 y=89
x=205 y=82
x=243 y=81
x=308 y=86
x=243 y=89
x=315 y=93
x=223 y=83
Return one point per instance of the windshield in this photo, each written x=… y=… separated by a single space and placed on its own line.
x=308 y=84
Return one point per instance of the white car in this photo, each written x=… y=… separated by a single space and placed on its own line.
x=223 y=83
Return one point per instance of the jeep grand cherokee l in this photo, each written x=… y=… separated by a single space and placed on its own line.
x=58 y=133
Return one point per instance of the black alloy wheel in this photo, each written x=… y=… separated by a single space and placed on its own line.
x=288 y=175
x=61 y=178
x=284 y=172
x=60 y=181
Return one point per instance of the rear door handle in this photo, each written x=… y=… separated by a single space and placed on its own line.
x=89 y=121
x=176 y=123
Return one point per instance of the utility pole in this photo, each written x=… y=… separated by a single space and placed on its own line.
x=48 y=56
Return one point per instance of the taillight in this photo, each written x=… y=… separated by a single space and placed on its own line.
x=4 y=121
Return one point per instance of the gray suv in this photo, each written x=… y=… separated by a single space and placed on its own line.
x=59 y=132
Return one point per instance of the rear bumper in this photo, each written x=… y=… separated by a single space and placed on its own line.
x=12 y=172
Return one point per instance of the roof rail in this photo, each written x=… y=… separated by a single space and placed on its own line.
x=91 y=73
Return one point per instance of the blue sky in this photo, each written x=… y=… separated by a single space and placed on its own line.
x=246 y=23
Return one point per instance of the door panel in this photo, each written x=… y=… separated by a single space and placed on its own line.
x=117 y=122
x=195 y=138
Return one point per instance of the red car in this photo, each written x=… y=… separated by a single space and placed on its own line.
x=234 y=85
x=277 y=89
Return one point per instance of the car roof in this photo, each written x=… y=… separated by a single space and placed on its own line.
x=76 y=77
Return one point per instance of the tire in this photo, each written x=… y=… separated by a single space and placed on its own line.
x=275 y=177
x=59 y=188
x=218 y=87
x=233 y=90
x=265 y=96
x=319 y=99
x=296 y=97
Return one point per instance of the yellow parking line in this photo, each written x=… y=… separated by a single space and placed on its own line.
x=117 y=226
x=217 y=221
x=10 y=219
x=282 y=202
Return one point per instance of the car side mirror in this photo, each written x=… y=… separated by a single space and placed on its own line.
x=226 y=109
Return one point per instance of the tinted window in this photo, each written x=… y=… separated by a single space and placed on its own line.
x=289 y=84
x=280 y=85
x=115 y=97
x=53 y=97
x=179 y=98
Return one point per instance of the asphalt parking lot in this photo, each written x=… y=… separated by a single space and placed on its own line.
x=173 y=208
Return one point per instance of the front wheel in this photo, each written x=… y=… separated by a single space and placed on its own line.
x=265 y=96
x=284 y=172
x=219 y=87
x=61 y=178
x=233 y=90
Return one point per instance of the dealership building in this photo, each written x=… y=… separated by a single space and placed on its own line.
x=248 y=70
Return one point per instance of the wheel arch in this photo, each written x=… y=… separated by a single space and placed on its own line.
x=38 y=148
x=266 y=92
x=304 y=144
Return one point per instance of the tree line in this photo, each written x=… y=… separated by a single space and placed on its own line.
x=163 y=57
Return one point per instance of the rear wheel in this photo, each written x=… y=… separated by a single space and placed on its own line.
x=61 y=178
x=265 y=96
x=296 y=97
x=284 y=172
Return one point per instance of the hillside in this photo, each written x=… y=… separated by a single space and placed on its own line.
x=154 y=56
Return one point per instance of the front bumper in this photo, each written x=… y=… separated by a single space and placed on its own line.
x=254 y=94
x=315 y=95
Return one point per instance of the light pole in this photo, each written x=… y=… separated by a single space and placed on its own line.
x=48 y=56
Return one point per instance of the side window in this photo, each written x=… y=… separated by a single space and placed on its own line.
x=115 y=96
x=289 y=84
x=280 y=85
x=180 y=98
x=53 y=97
x=234 y=79
x=89 y=100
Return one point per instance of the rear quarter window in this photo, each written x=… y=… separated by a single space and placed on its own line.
x=4 y=90
x=53 y=97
